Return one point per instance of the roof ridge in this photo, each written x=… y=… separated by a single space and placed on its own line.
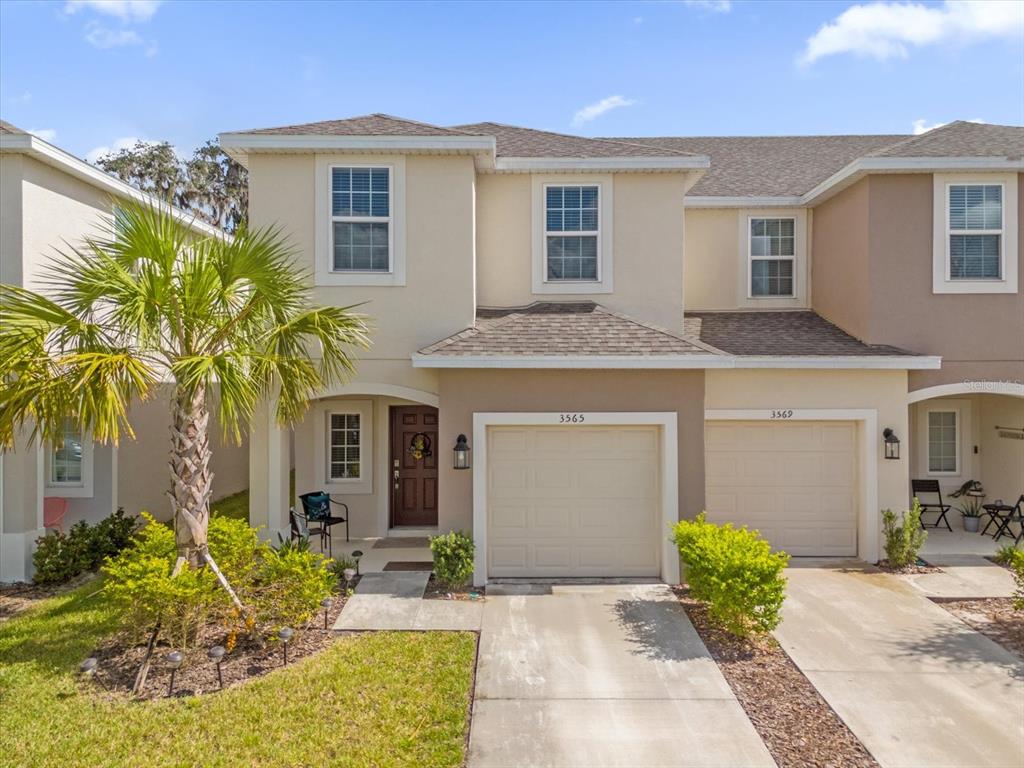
x=578 y=137
x=396 y=118
x=653 y=327
x=764 y=136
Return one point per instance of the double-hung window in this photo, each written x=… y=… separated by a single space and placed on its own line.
x=344 y=446
x=361 y=225
x=772 y=257
x=572 y=231
x=943 y=452
x=67 y=462
x=975 y=231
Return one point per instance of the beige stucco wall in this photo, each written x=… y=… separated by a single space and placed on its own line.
x=647 y=245
x=881 y=391
x=840 y=278
x=715 y=268
x=437 y=298
x=10 y=218
x=465 y=392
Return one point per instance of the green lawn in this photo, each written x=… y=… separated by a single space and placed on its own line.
x=237 y=505
x=376 y=699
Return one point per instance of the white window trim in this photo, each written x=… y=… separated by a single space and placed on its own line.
x=389 y=220
x=595 y=233
x=324 y=273
x=744 y=294
x=322 y=420
x=751 y=258
x=73 y=490
x=605 y=222
x=958 y=439
x=941 y=281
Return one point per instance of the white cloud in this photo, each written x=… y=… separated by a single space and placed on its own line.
x=99 y=36
x=715 y=6
x=885 y=30
x=598 y=108
x=923 y=126
x=125 y=142
x=46 y=134
x=125 y=10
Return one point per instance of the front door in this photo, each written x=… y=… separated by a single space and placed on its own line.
x=414 y=453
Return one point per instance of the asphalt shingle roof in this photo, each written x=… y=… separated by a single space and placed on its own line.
x=376 y=124
x=800 y=333
x=961 y=139
x=513 y=141
x=562 y=329
x=6 y=127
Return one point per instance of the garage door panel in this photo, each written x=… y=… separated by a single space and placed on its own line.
x=795 y=482
x=587 y=505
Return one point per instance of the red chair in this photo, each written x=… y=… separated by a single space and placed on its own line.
x=54 y=509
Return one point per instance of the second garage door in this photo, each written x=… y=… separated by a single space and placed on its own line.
x=573 y=501
x=796 y=482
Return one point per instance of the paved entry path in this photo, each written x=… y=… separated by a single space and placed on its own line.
x=610 y=675
x=916 y=685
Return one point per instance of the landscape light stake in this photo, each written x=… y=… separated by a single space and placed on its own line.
x=326 y=605
x=216 y=655
x=285 y=634
x=355 y=556
x=89 y=668
x=174 y=659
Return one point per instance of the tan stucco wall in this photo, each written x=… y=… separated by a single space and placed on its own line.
x=10 y=218
x=647 y=245
x=465 y=392
x=882 y=391
x=715 y=271
x=437 y=298
x=839 y=275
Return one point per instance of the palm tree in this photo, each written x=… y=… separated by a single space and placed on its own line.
x=149 y=302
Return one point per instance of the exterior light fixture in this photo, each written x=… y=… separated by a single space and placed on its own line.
x=284 y=635
x=461 y=453
x=174 y=659
x=892 y=443
x=355 y=556
x=90 y=668
x=326 y=605
x=216 y=655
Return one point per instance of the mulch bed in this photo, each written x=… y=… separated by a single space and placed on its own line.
x=14 y=598
x=919 y=567
x=435 y=591
x=797 y=725
x=994 y=617
x=250 y=658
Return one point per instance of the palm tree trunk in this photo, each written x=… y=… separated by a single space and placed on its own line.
x=191 y=478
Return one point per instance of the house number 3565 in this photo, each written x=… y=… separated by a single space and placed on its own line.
x=571 y=418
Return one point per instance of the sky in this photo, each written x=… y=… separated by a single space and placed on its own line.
x=90 y=75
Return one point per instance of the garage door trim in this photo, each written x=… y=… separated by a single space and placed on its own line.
x=669 y=451
x=869 y=439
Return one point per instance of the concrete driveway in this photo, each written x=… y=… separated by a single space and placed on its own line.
x=916 y=685
x=610 y=675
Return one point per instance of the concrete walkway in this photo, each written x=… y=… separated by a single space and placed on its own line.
x=601 y=676
x=916 y=685
x=964 y=576
x=394 y=600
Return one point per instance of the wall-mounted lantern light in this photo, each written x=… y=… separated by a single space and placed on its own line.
x=461 y=453
x=892 y=443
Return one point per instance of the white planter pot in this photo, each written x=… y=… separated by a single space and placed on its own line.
x=971 y=524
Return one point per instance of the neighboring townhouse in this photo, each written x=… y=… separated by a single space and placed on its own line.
x=625 y=332
x=49 y=200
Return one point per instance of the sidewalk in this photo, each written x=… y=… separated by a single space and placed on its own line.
x=394 y=600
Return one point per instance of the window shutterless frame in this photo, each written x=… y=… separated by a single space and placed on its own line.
x=389 y=219
x=572 y=233
x=751 y=258
x=1001 y=232
x=956 y=442
x=330 y=429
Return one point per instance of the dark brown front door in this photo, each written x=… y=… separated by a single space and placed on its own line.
x=414 y=465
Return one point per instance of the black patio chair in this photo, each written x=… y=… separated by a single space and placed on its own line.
x=300 y=528
x=921 y=487
x=317 y=506
x=1014 y=514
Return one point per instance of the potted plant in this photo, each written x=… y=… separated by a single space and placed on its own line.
x=971 y=493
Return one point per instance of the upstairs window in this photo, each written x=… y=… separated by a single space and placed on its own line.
x=772 y=257
x=572 y=230
x=975 y=231
x=361 y=225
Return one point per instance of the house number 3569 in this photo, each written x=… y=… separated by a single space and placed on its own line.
x=784 y=414
x=571 y=418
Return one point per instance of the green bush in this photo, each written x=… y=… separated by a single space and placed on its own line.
x=1017 y=565
x=453 y=558
x=293 y=582
x=59 y=558
x=1006 y=553
x=733 y=571
x=904 y=536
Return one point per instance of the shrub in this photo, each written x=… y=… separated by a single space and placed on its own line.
x=1017 y=565
x=1006 y=553
x=59 y=558
x=453 y=558
x=293 y=582
x=733 y=571
x=904 y=537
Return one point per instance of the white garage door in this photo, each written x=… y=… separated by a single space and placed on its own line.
x=573 y=501
x=795 y=482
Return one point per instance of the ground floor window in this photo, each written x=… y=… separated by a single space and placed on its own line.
x=66 y=461
x=942 y=442
x=344 y=446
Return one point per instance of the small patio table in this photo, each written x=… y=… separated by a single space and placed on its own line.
x=1002 y=515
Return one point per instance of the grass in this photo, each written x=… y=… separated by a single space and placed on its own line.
x=381 y=699
x=237 y=504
